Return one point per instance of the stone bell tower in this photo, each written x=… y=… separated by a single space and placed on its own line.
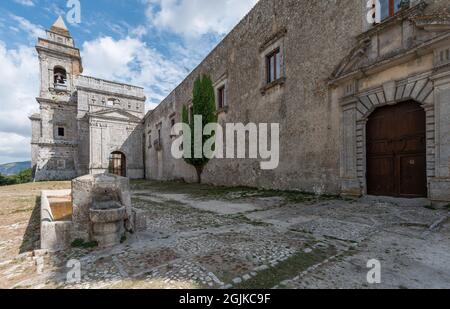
x=54 y=136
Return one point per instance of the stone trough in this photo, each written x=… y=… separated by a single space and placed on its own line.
x=56 y=219
x=97 y=209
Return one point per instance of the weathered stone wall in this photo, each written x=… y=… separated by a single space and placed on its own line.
x=110 y=116
x=94 y=93
x=107 y=136
x=56 y=156
x=315 y=37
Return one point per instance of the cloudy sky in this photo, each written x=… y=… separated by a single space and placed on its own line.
x=151 y=43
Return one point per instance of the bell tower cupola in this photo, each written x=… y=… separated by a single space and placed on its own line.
x=60 y=61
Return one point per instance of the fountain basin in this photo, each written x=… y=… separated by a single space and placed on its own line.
x=107 y=213
x=108 y=222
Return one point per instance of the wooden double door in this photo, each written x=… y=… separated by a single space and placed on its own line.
x=118 y=164
x=396 y=151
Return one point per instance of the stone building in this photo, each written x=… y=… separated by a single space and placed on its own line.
x=363 y=105
x=86 y=125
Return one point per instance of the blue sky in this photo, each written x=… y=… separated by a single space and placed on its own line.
x=150 y=43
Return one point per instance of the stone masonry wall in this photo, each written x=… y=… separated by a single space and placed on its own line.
x=315 y=36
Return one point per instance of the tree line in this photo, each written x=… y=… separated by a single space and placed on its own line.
x=23 y=177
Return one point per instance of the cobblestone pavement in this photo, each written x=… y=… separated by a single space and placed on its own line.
x=208 y=237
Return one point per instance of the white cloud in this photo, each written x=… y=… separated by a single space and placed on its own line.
x=131 y=60
x=193 y=18
x=19 y=86
x=33 y=31
x=14 y=148
x=25 y=2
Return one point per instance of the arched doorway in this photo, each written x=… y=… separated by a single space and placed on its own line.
x=118 y=164
x=396 y=151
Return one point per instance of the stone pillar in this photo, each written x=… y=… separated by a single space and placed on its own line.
x=440 y=184
x=82 y=201
x=350 y=185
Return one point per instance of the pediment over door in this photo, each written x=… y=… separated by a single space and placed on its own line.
x=115 y=114
x=399 y=36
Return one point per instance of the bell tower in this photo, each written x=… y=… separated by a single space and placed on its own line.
x=59 y=59
x=54 y=141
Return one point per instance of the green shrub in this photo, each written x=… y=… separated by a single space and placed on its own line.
x=80 y=243
x=24 y=176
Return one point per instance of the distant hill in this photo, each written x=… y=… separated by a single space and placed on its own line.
x=14 y=168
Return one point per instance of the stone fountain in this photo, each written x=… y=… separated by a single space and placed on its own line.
x=100 y=210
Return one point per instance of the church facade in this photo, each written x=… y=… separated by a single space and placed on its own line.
x=362 y=98
x=85 y=124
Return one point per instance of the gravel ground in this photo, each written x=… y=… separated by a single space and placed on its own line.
x=207 y=237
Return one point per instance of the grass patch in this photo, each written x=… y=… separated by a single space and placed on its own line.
x=202 y=191
x=80 y=243
x=288 y=269
x=18 y=211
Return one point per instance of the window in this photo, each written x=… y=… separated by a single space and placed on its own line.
x=159 y=136
x=61 y=132
x=150 y=140
x=110 y=102
x=389 y=8
x=273 y=61
x=59 y=76
x=221 y=97
x=172 y=122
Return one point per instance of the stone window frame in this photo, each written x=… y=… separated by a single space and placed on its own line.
x=56 y=131
x=355 y=112
x=61 y=132
x=442 y=56
x=149 y=139
x=111 y=102
x=276 y=42
x=172 y=123
x=60 y=164
x=222 y=83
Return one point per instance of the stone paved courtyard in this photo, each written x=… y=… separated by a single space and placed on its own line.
x=210 y=237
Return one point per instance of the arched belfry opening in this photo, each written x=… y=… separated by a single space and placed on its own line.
x=118 y=164
x=396 y=151
x=59 y=76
